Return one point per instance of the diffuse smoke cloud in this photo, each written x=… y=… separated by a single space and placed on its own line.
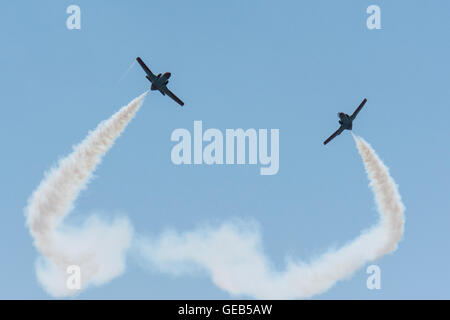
x=98 y=247
x=232 y=254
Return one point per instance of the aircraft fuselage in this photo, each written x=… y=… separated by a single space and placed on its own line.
x=345 y=120
x=160 y=82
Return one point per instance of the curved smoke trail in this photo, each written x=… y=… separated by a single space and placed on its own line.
x=97 y=247
x=232 y=254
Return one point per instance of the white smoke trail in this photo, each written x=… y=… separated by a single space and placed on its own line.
x=232 y=254
x=97 y=247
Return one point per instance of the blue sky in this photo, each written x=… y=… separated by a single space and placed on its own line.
x=253 y=64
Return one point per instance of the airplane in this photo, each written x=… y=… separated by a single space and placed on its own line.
x=159 y=82
x=345 y=121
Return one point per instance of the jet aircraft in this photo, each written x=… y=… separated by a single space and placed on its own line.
x=345 y=121
x=159 y=82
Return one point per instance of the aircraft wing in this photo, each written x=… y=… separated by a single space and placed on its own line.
x=334 y=135
x=353 y=116
x=150 y=74
x=174 y=97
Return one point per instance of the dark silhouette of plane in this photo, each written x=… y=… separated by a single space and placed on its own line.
x=159 y=82
x=345 y=121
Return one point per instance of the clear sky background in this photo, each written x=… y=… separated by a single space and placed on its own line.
x=290 y=65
